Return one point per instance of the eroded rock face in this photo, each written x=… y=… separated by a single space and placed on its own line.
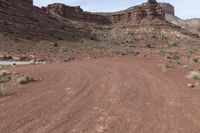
x=191 y=25
x=75 y=13
x=168 y=8
x=63 y=9
x=146 y=12
x=140 y=14
x=20 y=17
x=28 y=1
x=152 y=1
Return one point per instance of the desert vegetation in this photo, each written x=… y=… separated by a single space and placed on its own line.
x=25 y=80
x=165 y=65
x=2 y=90
x=194 y=75
x=3 y=73
x=129 y=71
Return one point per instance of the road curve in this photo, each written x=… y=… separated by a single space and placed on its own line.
x=110 y=95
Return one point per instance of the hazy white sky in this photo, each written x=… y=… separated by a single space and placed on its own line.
x=184 y=8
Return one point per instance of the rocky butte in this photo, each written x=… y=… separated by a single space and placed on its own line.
x=21 y=18
x=141 y=14
x=85 y=33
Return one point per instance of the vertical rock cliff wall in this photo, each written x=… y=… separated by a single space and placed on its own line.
x=20 y=17
x=168 y=8
x=147 y=11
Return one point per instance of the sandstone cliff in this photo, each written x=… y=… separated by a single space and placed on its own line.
x=74 y=13
x=21 y=18
x=86 y=34
x=191 y=25
x=168 y=8
x=141 y=14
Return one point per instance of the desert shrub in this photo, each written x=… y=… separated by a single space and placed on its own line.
x=191 y=50
x=173 y=45
x=3 y=73
x=194 y=75
x=58 y=37
x=149 y=45
x=25 y=80
x=3 y=34
x=173 y=56
x=164 y=66
x=2 y=90
x=54 y=44
x=197 y=84
x=196 y=59
x=163 y=50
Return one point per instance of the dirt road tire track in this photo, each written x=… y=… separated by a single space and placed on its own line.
x=111 y=95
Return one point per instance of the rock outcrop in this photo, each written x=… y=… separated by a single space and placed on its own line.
x=21 y=18
x=28 y=1
x=84 y=34
x=151 y=1
x=191 y=25
x=168 y=8
x=74 y=13
x=141 y=14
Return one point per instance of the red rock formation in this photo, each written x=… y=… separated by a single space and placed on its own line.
x=28 y=1
x=168 y=8
x=139 y=14
x=152 y=2
x=20 y=17
x=62 y=9
x=75 y=13
x=148 y=11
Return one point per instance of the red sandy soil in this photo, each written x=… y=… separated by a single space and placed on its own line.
x=111 y=95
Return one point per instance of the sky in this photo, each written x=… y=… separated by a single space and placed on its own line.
x=184 y=9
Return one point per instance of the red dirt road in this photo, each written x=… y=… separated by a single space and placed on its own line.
x=111 y=95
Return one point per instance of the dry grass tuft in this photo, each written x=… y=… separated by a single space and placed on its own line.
x=25 y=80
x=2 y=90
x=194 y=75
